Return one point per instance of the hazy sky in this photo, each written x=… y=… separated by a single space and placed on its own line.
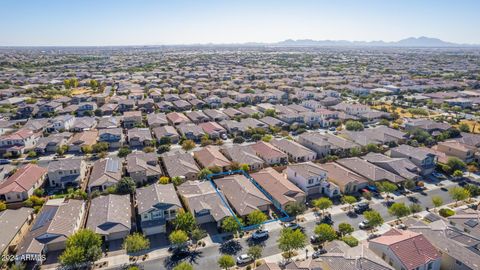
x=151 y=22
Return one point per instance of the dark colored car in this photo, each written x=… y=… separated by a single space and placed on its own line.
x=359 y=208
x=318 y=253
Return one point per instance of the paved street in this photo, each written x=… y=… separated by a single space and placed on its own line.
x=206 y=258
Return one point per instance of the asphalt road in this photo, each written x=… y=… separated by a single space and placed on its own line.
x=207 y=258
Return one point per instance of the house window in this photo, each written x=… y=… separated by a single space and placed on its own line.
x=310 y=181
x=430 y=266
x=383 y=256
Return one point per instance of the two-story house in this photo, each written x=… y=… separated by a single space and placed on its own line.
x=312 y=179
x=66 y=172
x=157 y=204
x=113 y=136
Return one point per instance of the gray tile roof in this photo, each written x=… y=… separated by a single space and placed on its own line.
x=110 y=214
x=157 y=196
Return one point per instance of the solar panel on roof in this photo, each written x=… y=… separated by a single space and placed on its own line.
x=471 y=223
x=45 y=217
x=112 y=165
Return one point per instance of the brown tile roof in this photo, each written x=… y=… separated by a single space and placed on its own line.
x=281 y=189
x=210 y=156
x=23 y=179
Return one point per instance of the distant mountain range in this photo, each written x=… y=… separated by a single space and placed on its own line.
x=408 y=42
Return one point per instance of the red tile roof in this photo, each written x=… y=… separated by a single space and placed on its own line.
x=23 y=179
x=411 y=248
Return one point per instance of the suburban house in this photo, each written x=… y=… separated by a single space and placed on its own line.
x=166 y=131
x=202 y=200
x=61 y=123
x=213 y=130
x=105 y=173
x=424 y=160
x=433 y=127
x=58 y=219
x=404 y=249
x=198 y=117
x=456 y=149
x=338 y=146
x=269 y=153
x=191 y=132
x=181 y=165
x=215 y=115
x=85 y=138
x=459 y=249
x=368 y=170
x=348 y=181
x=108 y=122
x=14 y=224
x=210 y=156
x=132 y=119
x=143 y=167
x=139 y=137
x=280 y=189
x=110 y=216
x=52 y=143
x=378 y=135
x=19 y=186
x=18 y=142
x=315 y=142
x=400 y=166
x=295 y=151
x=157 y=119
x=65 y=173
x=242 y=195
x=343 y=257
x=156 y=205
x=83 y=123
x=113 y=136
x=243 y=154
x=312 y=179
x=175 y=118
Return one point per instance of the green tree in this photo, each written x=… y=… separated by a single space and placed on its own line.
x=325 y=232
x=124 y=151
x=345 y=228
x=456 y=164
x=185 y=221
x=165 y=140
x=373 y=218
x=86 y=149
x=255 y=252
x=126 y=185
x=409 y=184
x=245 y=167
x=459 y=194
x=322 y=204
x=354 y=125
x=229 y=224
x=136 y=242
x=84 y=246
x=226 y=261
x=386 y=187
x=188 y=145
x=270 y=112
x=350 y=200
x=203 y=173
x=399 y=210
x=178 y=237
x=463 y=127
x=457 y=174
x=3 y=206
x=295 y=208
x=100 y=147
x=437 y=201
x=355 y=151
x=183 y=266
x=256 y=217
x=415 y=208
x=290 y=240
x=164 y=180
x=350 y=240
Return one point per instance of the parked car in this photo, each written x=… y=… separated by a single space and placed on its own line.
x=5 y=161
x=364 y=225
x=314 y=239
x=439 y=175
x=372 y=236
x=318 y=253
x=361 y=207
x=258 y=234
x=292 y=225
x=244 y=258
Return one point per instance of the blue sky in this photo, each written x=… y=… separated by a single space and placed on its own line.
x=155 y=22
